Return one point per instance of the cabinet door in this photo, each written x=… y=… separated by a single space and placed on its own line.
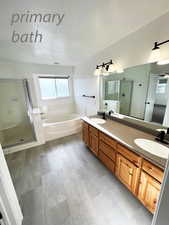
x=127 y=173
x=149 y=190
x=85 y=133
x=93 y=143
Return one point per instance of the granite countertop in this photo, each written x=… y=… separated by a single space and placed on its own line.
x=126 y=135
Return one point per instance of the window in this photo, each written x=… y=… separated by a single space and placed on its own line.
x=54 y=87
x=161 y=86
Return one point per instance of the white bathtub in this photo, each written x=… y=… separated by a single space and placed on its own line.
x=57 y=126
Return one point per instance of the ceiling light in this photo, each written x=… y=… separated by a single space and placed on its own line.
x=163 y=62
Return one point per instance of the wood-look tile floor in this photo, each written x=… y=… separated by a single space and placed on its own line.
x=63 y=183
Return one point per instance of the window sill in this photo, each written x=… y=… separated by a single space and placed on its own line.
x=55 y=98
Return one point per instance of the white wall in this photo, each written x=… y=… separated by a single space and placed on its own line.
x=132 y=50
x=86 y=86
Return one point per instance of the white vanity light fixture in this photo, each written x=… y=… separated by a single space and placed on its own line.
x=155 y=54
x=112 y=68
x=107 y=68
x=103 y=69
x=105 y=72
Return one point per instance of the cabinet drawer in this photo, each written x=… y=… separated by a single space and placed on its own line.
x=108 y=140
x=94 y=131
x=107 y=161
x=129 y=155
x=153 y=170
x=107 y=150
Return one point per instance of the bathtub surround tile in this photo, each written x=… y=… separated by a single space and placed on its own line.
x=63 y=183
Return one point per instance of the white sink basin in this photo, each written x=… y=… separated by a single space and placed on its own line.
x=153 y=147
x=98 y=121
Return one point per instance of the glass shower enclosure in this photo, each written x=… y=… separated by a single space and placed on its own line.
x=118 y=95
x=16 y=126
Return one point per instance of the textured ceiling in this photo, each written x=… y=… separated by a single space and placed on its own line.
x=87 y=27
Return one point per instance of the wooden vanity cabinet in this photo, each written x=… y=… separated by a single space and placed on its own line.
x=127 y=173
x=85 y=133
x=107 y=151
x=150 y=184
x=149 y=190
x=107 y=161
x=153 y=170
x=140 y=176
x=128 y=168
x=94 y=140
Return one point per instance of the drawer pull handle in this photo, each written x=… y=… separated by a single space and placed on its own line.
x=130 y=174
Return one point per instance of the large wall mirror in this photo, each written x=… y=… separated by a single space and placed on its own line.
x=140 y=92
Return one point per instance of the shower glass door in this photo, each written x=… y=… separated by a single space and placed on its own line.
x=126 y=88
x=15 y=113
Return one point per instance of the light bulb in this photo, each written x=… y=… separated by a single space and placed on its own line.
x=155 y=55
x=97 y=71
x=104 y=71
x=112 y=68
